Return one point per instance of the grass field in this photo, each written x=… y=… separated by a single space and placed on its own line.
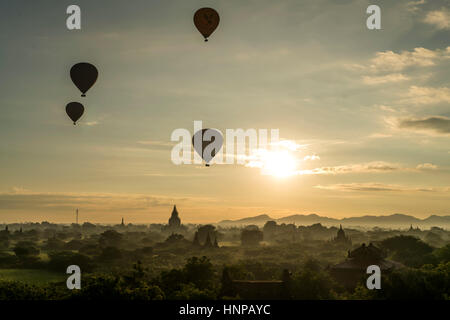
x=31 y=276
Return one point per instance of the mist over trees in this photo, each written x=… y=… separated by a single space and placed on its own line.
x=195 y=262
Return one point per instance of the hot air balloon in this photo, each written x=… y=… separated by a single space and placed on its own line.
x=74 y=110
x=207 y=143
x=206 y=20
x=83 y=75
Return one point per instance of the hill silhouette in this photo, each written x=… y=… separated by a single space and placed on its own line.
x=394 y=220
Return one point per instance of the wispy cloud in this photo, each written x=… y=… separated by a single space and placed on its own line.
x=375 y=166
x=426 y=166
x=21 y=199
x=370 y=167
x=427 y=95
x=414 y=6
x=377 y=187
x=92 y=123
x=311 y=157
x=380 y=135
x=389 y=78
x=391 y=61
x=289 y=145
x=156 y=144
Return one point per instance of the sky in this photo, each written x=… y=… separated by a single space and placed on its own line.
x=363 y=115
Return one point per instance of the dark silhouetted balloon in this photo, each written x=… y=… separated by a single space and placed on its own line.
x=206 y=20
x=207 y=143
x=74 y=110
x=83 y=75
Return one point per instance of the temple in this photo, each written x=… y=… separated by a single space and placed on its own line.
x=256 y=289
x=354 y=268
x=341 y=238
x=174 y=220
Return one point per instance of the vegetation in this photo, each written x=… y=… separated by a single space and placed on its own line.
x=201 y=262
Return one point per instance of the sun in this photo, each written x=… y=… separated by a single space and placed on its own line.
x=279 y=164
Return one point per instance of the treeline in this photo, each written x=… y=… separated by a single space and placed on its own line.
x=199 y=280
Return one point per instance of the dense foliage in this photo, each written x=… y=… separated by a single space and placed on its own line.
x=153 y=263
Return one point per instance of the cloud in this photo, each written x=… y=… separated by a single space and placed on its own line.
x=427 y=95
x=92 y=123
x=387 y=108
x=290 y=145
x=370 y=167
x=391 y=61
x=389 y=78
x=413 y=6
x=376 y=187
x=18 y=190
x=439 y=18
x=312 y=157
x=380 y=135
x=433 y=124
x=21 y=199
x=156 y=145
x=426 y=166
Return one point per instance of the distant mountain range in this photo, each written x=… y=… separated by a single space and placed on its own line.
x=394 y=220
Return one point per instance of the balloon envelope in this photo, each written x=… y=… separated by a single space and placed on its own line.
x=205 y=137
x=206 y=20
x=83 y=75
x=74 y=110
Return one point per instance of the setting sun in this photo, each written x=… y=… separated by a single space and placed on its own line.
x=278 y=164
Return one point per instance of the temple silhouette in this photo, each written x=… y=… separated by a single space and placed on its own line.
x=341 y=238
x=354 y=268
x=174 y=220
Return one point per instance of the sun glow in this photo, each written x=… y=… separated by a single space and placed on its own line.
x=279 y=164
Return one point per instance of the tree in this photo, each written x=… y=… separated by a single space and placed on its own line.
x=251 y=237
x=200 y=272
x=409 y=250
x=426 y=283
x=171 y=280
x=443 y=254
x=110 y=238
x=174 y=238
x=4 y=240
x=25 y=249
x=54 y=244
x=110 y=253
x=191 y=292
x=270 y=229
x=311 y=285
x=59 y=261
